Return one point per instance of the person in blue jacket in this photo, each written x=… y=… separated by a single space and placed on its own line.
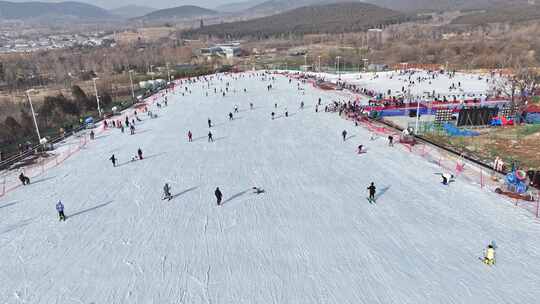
x=60 y=209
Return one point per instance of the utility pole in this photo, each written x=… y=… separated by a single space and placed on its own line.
x=339 y=76
x=168 y=73
x=33 y=113
x=97 y=96
x=132 y=88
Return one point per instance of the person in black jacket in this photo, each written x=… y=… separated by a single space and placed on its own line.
x=113 y=160
x=372 y=190
x=219 y=196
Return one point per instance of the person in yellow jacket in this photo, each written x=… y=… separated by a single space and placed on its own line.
x=489 y=259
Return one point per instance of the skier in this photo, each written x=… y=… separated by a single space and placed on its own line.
x=235 y=108
x=251 y=105
x=489 y=257
x=209 y=123
x=190 y=136
x=344 y=134
x=302 y=105
x=139 y=152
x=372 y=189
x=275 y=105
x=360 y=149
x=167 y=192
x=273 y=115
x=390 y=140
x=25 y=180
x=219 y=196
x=132 y=129
x=447 y=178
x=113 y=160
x=286 y=113
x=210 y=137
x=230 y=116
x=60 y=209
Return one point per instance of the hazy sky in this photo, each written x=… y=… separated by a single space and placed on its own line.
x=154 y=3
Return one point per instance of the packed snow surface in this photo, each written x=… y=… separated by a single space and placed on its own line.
x=312 y=237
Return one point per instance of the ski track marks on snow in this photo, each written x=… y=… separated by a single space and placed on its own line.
x=312 y=237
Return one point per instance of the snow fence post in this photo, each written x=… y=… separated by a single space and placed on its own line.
x=481 y=178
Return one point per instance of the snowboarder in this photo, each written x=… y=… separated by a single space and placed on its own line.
x=489 y=257
x=447 y=178
x=167 y=192
x=344 y=134
x=390 y=140
x=230 y=116
x=60 y=209
x=190 y=136
x=372 y=190
x=219 y=196
x=139 y=152
x=25 y=180
x=113 y=160
x=209 y=123
x=258 y=190
x=210 y=137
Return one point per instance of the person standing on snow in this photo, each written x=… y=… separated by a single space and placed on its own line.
x=372 y=190
x=210 y=137
x=286 y=112
x=209 y=123
x=190 y=136
x=273 y=115
x=251 y=105
x=344 y=134
x=489 y=257
x=360 y=149
x=218 y=195
x=391 y=141
x=60 y=209
x=235 y=108
x=113 y=160
x=167 y=192
x=230 y=116
x=139 y=152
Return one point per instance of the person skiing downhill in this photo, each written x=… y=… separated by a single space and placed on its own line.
x=139 y=152
x=60 y=209
x=360 y=149
x=167 y=192
x=190 y=136
x=25 y=180
x=344 y=134
x=113 y=160
x=447 y=178
x=391 y=141
x=218 y=195
x=489 y=257
x=372 y=190
x=230 y=116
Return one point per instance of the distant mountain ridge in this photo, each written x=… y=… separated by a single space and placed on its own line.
x=238 y=6
x=180 y=12
x=442 y=5
x=34 y=10
x=279 y=6
x=332 y=18
x=132 y=11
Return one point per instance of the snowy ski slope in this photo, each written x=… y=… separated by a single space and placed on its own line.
x=311 y=238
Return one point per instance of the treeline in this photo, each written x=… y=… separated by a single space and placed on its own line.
x=333 y=18
x=54 y=113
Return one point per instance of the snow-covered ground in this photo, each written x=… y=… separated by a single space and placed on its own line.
x=312 y=237
x=472 y=85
